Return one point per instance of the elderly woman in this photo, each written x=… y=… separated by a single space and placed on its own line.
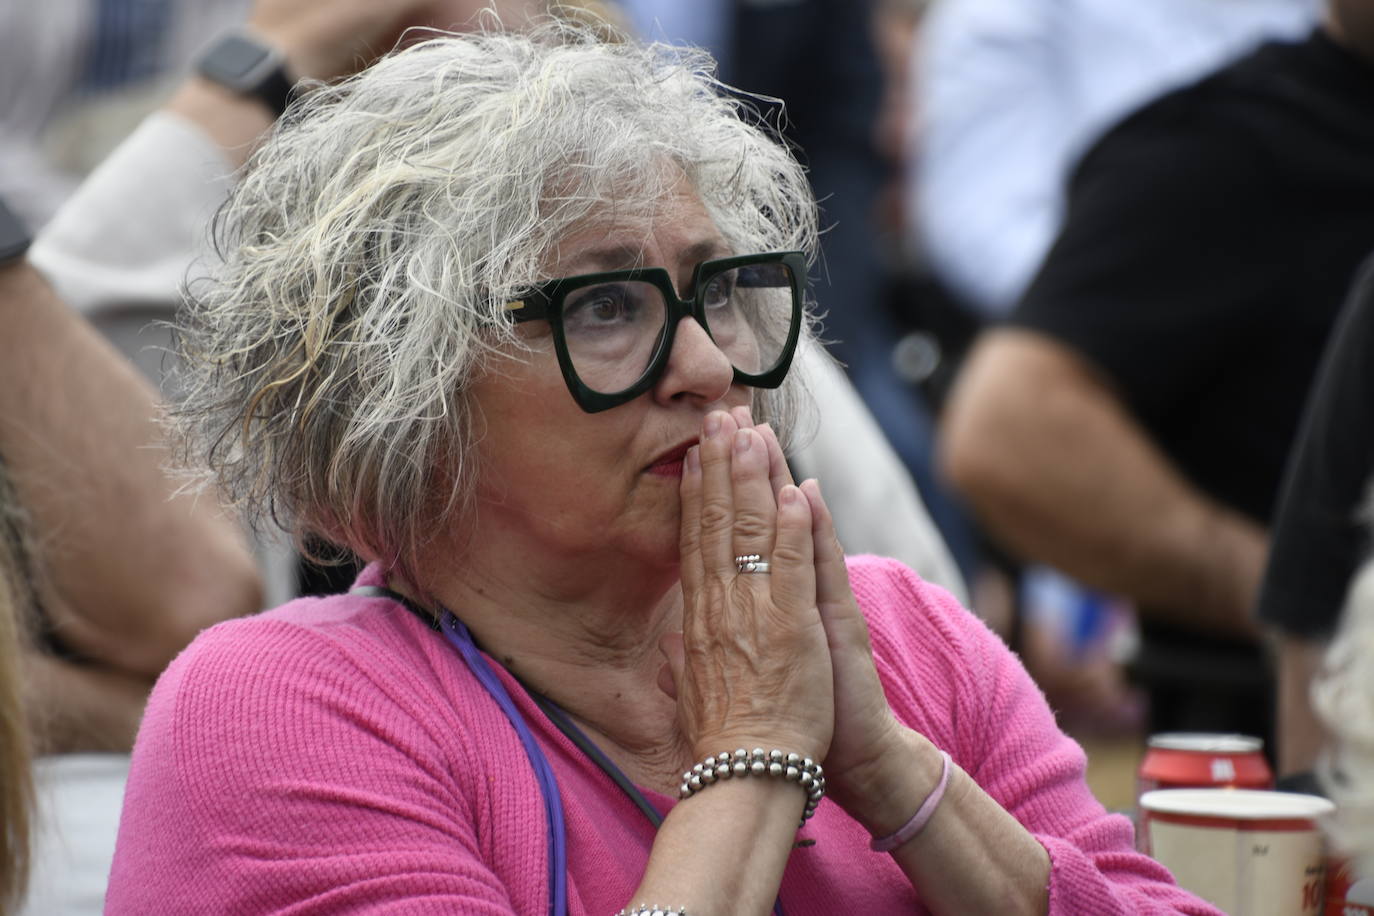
x=511 y=318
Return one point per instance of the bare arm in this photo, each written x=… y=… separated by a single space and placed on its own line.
x=74 y=707
x=1300 y=733
x=129 y=573
x=325 y=41
x=973 y=856
x=1059 y=471
x=83 y=446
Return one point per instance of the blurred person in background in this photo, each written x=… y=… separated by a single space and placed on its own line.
x=1130 y=423
x=108 y=573
x=1321 y=529
x=1010 y=94
x=78 y=75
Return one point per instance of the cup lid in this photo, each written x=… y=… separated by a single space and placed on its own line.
x=1206 y=742
x=1237 y=804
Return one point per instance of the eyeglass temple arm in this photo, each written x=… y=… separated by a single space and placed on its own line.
x=529 y=309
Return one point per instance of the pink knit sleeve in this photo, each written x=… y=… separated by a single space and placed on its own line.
x=956 y=682
x=280 y=771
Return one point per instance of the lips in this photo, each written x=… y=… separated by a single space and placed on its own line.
x=669 y=464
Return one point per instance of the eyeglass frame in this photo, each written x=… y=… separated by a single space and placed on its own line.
x=545 y=303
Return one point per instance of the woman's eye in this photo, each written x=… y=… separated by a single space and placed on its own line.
x=606 y=307
x=608 y=304
x=718 y=292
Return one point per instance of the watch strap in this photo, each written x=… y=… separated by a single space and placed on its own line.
x=243 y=63
x=275 y=90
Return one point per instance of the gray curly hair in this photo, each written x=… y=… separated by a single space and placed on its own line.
x=364 y=257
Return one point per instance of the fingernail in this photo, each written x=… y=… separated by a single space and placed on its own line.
x=691 y=462
x=743 y=441
x=788 y=495
x=713 y=424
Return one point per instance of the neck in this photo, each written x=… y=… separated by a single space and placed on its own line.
x=583 y=631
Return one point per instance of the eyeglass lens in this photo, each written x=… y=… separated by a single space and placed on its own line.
x=614 y=329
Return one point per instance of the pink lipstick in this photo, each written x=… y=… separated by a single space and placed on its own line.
x=669 y=464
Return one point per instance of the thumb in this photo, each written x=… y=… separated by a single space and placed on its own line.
x=670 y=675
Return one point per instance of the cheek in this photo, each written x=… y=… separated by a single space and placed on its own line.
x=542 y=453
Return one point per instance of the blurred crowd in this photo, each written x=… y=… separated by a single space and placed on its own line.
x=1093 y=270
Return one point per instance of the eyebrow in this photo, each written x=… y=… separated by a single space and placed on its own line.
x=625 y=257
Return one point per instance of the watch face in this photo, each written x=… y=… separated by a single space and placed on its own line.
x=14 y=237
x=236 y=61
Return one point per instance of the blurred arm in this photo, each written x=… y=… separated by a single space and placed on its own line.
x=326 y=40
x=1059 y=471
x=74 y=708
x=1300 y=733
x=130 y=231
x=128 y=572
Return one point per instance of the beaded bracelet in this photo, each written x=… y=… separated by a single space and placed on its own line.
x=655 y=910
x=793 y=767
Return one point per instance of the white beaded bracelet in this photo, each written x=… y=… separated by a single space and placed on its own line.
x=793 y=767
x=655 y=910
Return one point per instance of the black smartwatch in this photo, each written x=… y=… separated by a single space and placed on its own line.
x=14 y=236
x=250 y=67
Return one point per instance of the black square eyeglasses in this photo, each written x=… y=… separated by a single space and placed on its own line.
x=613 y=331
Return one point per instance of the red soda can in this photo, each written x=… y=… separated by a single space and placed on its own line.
x=1201 y=760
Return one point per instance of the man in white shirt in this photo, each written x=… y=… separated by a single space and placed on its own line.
x=1011 y=92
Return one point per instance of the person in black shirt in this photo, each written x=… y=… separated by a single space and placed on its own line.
x=1320 y=533
x=1131 y=423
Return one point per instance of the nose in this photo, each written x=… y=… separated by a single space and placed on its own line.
x=696 y=367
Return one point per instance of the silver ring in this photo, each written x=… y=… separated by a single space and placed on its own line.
x=751 y=563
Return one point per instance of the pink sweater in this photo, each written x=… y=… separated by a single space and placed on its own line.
x=335 y=755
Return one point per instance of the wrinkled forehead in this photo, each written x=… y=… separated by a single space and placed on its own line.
x=666 y=229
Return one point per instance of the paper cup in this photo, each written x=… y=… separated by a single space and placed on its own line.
x=1248 y=852
x=1200 y=760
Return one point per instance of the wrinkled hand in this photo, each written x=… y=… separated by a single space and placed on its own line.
x=752 y=668
x=865 y=729
x=861 y=728
x=326 y=39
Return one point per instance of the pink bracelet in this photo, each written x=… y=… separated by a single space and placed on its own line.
x=919 y=819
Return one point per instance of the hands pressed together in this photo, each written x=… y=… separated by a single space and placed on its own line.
x=770 y=660
x=784 y=661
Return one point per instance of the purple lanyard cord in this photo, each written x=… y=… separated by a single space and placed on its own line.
x=457 y=633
